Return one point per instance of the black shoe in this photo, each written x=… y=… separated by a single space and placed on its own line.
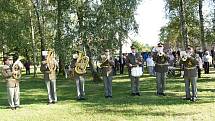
x=138 y=94
x=106 y=96
x=53 y=102
x=110 y=96
x=13 y=108
x=82 y=98
x=17 y=107
x=159 y=94
x=186 y=98
x=163 y=94
x=193 y=99
x=133 y=94
x=49 y=103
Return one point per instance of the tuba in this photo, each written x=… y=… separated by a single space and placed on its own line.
x=17 y=69
x=51 y=64
x=81 y=63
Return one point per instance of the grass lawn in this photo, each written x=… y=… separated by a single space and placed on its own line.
x=122 y=107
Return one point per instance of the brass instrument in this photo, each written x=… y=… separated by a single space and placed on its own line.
x=160 y=53
x=50 y=61
x=17 y=69
x=184 y=55
x=105 y=61
x=81 y=63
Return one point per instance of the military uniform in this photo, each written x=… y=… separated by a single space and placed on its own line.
x=50 y=80
x=134 y=59
x=12 y=87
x=190 y=76
x=161 y=67
x=79 y=80
x=107 y=73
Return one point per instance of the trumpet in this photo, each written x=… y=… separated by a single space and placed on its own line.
x=160 y=53
x=105 y=61
x=184 y=55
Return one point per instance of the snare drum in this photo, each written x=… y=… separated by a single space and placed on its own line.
x=136 y=71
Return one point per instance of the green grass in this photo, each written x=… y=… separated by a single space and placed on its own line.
x=122 y=107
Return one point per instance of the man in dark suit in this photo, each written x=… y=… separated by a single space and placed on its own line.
x=122 y=63
x=134 y=59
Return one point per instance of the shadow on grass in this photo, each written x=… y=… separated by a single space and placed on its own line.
x=33 y=91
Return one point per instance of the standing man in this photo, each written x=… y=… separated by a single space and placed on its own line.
x=190 y=73
x=134 y=60
x=107 y=64
x=161 y=68
x=48 y=68
x=12 y=84
x=122 y=63
x=79 y=76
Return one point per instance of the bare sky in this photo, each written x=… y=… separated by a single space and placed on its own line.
x=150 y=16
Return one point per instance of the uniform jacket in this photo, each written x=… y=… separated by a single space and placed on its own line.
x=107 y=69
x=7 y=75
x=161 y=63
x=190 y=69
x=48 y=75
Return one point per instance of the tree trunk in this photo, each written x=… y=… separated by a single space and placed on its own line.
x=214 y=17
x=202 y=33
x=95 y=75
x=33 y=45
x=40 y=26
x=58 y=42
x=183 y=24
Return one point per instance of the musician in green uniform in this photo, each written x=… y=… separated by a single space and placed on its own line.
x=107 y=64
x=12 y=84
x=134 y=60
x=190 y=73
x=161 y=68
x=77 y=71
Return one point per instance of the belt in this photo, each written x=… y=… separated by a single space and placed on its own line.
x=190 y=68
x=163 y=64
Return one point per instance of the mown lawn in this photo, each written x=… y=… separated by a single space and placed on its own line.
x=122 y=107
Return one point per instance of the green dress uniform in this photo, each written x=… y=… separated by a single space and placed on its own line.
x=107 y=73
x=135 y=60
x=79 y=80
x=12 y=87
x=50 y=81
x=190 y=77
x=161 y=67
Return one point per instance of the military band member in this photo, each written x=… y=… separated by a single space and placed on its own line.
x=134 y=59
x=12 y=85
x=107 y=63
x=78 y=77
x=48 y=68
x=161 y=68
x=190 y=73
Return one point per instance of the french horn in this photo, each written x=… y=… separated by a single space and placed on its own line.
x=17 y=69
x=81 y=63
x=50 y=61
